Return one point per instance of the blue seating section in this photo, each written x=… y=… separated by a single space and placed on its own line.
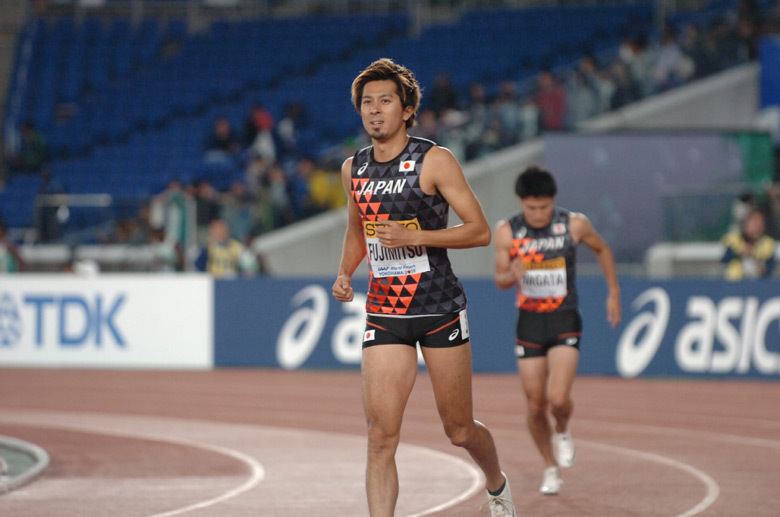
x=144 y=95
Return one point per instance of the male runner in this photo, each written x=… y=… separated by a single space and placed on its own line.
x=400 y=190
x=535 y=251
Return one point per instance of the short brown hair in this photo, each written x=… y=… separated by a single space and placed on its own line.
x=386 y=69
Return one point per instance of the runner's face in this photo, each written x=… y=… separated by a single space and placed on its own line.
x=381 y=110
x=538 y=211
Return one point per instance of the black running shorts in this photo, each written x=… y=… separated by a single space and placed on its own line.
x=435 y=331
x=537 y=332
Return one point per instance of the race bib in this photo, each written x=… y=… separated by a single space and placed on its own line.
x=384 y=262
x=546 y=279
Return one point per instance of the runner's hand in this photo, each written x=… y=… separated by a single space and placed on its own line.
x=342 y=289
x=517 y=266
x=393 y=235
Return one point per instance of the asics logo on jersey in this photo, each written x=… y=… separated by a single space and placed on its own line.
x=362 y=169
x=454 y=334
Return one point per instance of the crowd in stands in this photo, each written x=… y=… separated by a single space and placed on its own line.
x=559 y=99
x=274 y=181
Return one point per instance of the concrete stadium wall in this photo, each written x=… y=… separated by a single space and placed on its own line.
x=727 y=100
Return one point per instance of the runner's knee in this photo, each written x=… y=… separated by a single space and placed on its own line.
x=380 y=440
x=560 y=406
x=537 y=405
x=459 y=434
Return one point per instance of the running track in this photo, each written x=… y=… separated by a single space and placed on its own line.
x=253 y=442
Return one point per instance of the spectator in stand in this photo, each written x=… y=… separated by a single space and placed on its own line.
x=626 y=89
x=258 y=133
x=429 y=126
x=11 y=260
x=255 y=175
x=223 y=256
x=583 y=96
x=701 y=49
x=509 y=111
x=281 y=205
x=601 y=81
x=222 y=143
x=728 y=42
x=298 y=189
x=750 y=26
x=288 y=130
x=324 y=190
x=325 y=187
x=139 y=227
x=443 y=96
x=169 y=212
x=465 y=141
x=550 y=100
x=742 y=206
x=33 y=153
x=477 y=106
x=47 y=222
x=772 y=19
x=639 y=56
x=237 y=211
x=207 y=206
x=167 y=256
x=750 y=253
x=672 y=68
x=771 y=209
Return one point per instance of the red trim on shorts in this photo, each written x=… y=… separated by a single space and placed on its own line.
x=526 y=343
x=434 y=331
x=570 y=334
x=380 y=327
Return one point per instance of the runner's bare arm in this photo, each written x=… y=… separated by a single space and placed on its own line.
x=508 y=270
x=354 y=246
x=582 y=231
x=441 y=172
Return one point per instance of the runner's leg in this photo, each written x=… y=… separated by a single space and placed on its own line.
x=533 y=374
x=450 y=372
x=389 y=372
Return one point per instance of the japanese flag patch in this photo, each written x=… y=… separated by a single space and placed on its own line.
x=407 y=166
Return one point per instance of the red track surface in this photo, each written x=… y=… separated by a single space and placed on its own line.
x=235 y=443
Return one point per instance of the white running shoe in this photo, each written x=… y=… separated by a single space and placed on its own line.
x=551 y=482
x=501 y=505
x=563 y=446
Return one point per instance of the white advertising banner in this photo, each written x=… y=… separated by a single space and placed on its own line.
x=107 y=321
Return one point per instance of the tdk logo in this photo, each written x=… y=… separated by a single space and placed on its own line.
x=77 y=319
x=10 y=322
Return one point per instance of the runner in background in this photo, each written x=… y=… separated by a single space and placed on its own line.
x=535 y=251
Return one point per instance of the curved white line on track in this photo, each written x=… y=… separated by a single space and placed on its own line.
x=42 y=419
x=713 y=489
x=477 y=480
x=678 y=431
x=257 y=471
x=257 y=475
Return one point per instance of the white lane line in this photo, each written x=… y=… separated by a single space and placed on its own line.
x=257 y=475
x=477 y=480
x=257 y=471
x=75 y=421
x=693 y=433
x=712 y=487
